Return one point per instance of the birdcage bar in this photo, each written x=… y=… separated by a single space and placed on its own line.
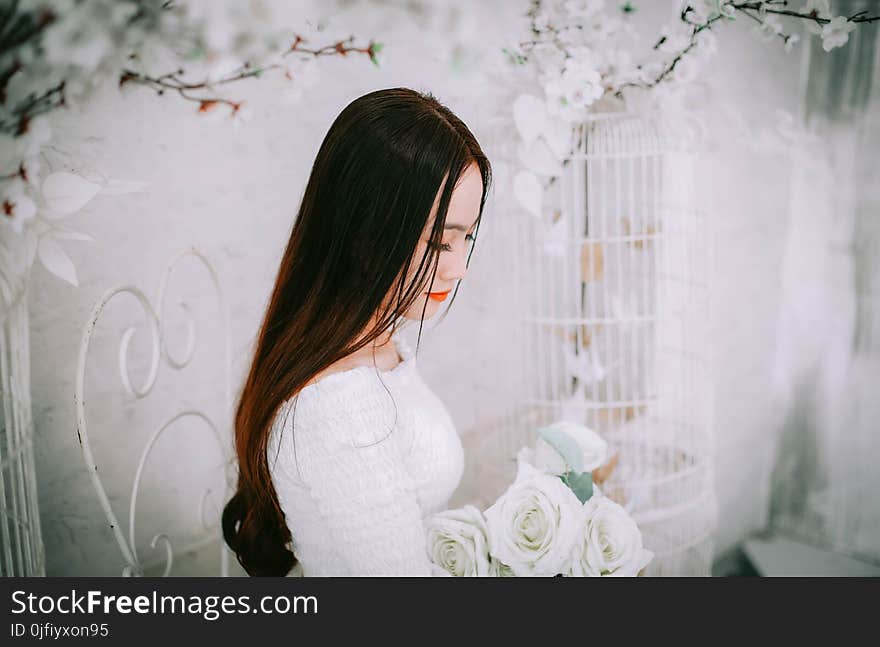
x=22 y=544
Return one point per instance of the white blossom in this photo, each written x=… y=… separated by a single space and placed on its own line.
x=582 y=55
x=16 y=206
x=676 y=37
x=299 y=75
x=220 y=65
x=544 y=18
x=650 y=70
x=702 y=11
x=38 y=134
x=31 y=167
x=818 y=8
x=603 y=28
x=573 y=36
x=241 y=114
x=82 y=36
x=770 y=28
x=707 y=43
x=549 y=59
x=617 y=67
x=697 y=14
x=836 y=33
x=574 y=91
x=583 y=9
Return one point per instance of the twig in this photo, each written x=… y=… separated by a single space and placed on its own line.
x=34 y=106
x=745 y=8
x=813 y=15
x=783 y=36
x=171 y=81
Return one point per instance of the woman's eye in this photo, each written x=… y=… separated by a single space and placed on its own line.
x=446 y=247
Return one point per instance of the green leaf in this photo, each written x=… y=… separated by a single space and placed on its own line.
x=513 y=57
x=567 y=447
x=579 y=483
x=197 y=52
x=375 y=48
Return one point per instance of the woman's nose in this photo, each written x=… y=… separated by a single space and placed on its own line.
x=456 y=267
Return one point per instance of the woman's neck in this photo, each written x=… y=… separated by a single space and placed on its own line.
x=381 y=353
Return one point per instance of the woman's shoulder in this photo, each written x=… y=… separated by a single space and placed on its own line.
x=326 y=429
x=384 y=360
x=342 y=410
x=355 y=392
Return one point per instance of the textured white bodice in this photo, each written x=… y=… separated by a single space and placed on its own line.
x=363 y=456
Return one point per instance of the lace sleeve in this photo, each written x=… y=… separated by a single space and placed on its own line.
x=362 y=516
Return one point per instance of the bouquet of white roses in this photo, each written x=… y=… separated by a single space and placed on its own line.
x=551 y=521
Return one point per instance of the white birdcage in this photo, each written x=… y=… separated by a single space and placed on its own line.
x=21 y=544
x=610 y=327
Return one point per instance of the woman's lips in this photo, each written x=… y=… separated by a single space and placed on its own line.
x=439 y=296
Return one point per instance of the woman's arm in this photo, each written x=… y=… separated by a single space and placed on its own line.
x=366 y=500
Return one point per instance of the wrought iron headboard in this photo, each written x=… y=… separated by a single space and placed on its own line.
x=133 y=565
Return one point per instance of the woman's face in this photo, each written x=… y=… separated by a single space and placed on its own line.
x=461 y=221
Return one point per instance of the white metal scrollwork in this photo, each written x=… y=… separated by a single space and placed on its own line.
x=134 y=566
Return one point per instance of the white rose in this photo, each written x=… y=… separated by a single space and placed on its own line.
x=611 y=543
x=458 y=542
x=498 y=569
x=533 y=526
x=591 y=446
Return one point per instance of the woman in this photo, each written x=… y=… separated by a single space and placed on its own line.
x=342 y=448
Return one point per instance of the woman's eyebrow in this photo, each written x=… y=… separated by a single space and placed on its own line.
x=457 y=227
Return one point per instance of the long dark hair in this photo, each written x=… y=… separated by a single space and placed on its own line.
x=366 y=204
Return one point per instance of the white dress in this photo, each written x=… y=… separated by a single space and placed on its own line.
x=357 y=470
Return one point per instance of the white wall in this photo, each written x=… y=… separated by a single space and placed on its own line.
x=233 y=193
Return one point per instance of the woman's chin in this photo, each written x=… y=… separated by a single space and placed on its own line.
x=415 y=312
